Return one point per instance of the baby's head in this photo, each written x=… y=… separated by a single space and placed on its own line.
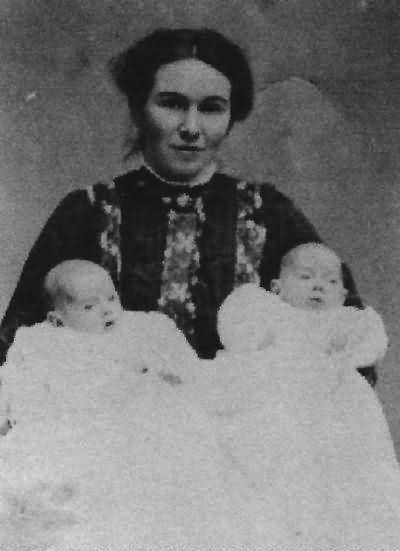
x=311 y=278
x=81 y=295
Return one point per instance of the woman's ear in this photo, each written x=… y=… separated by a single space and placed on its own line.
x=54 y=318
x=276 y=286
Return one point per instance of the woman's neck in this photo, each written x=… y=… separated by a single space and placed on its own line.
x=202 y=177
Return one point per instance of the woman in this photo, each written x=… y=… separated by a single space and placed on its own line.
x=175 y=234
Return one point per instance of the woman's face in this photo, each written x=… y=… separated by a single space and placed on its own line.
x=186 y=117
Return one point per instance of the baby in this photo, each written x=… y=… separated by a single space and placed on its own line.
x=297 y=416
x=306 y=299
x=86 y=336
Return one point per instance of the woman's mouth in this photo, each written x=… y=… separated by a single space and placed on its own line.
x=189 y=148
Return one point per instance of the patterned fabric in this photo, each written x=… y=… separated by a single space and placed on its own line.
x=250 y=234
x=103 y=196
x=181 y=261
x=180 y=266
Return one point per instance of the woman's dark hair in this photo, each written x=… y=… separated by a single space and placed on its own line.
x=134 y=70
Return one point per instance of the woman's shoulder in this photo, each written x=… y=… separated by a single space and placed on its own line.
x=261 y=195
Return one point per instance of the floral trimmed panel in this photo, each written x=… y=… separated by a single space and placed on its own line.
x=181 y=262
x=104 y=197
x=181 y=259
x=250 y=234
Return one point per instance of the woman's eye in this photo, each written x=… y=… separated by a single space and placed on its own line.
x=213 y=107
x=88 y=306
x=172 y=103
x=333 y=281
x=112 y=298
x=304 y=276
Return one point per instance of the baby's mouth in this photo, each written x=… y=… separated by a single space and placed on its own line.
x=316 y=302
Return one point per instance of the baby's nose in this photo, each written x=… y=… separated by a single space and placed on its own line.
x=106 y=309
x=319 y=286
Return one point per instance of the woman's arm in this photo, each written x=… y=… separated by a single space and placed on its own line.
x=69 y=233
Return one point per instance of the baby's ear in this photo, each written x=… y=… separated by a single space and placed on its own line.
x=276 y=286
x=54 y=318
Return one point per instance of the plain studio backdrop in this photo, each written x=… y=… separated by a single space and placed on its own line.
x=325 y=128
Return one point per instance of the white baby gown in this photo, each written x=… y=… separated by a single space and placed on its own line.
x=305 y=428
x=110 y=452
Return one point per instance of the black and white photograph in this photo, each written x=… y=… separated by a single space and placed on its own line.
x=199 y=275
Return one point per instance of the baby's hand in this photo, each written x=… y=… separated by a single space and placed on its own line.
x=337 y=343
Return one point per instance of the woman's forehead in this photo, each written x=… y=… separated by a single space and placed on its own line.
x=191 y=77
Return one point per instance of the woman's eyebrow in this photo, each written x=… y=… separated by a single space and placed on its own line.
x=221 y=99
x=166 y=94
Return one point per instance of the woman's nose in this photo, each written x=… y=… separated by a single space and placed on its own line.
x=190 y=124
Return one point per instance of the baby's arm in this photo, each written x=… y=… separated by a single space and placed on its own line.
x=360 y=338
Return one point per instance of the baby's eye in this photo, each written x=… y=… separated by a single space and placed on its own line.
x=87 y=306
x=112 y=298
x=305 y=276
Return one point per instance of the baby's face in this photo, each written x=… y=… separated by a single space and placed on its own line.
x=94 y=306
x=313 y=279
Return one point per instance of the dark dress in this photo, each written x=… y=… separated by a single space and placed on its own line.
x=167 y=247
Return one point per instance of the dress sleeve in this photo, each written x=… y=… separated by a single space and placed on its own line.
x=286 y=227
x=69 y=233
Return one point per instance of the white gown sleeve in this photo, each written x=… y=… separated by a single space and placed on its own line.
x=14 y=376
x=34 y=356
x=247 y=319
